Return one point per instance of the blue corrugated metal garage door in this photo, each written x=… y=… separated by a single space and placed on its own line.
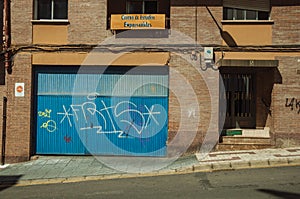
x=112 y=113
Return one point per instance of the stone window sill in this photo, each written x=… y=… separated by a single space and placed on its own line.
x=46 y=21
x=247 y=21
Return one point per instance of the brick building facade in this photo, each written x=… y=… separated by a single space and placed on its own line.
x=258 y=58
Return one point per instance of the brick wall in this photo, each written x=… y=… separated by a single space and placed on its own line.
x=288 y=67
x=285 y=109
x=208 y=32
x=88 y=26
x=19 y=111
x=286 y=115
x=21 y=16
x=184 y=18
x=182 y=106
x=87 y=21
x=286 y=25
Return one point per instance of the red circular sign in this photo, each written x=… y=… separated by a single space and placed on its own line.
x=19 y=89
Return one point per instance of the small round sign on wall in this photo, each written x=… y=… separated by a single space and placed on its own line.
x=19 y=90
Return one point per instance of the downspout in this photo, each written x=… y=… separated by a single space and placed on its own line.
x=7 y=34
x=196 y=21
x=7 y=65
x=4 y=131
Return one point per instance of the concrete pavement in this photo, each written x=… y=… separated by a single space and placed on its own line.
x=64 y=169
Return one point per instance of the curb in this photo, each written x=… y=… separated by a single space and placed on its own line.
x=211 y=167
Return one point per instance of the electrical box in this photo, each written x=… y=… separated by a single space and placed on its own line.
x=208 y=53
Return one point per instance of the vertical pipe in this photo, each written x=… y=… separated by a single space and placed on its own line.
x=4 y=131
x=2 y=66
x=6 y=29
x=7 y=65
x=196 y=21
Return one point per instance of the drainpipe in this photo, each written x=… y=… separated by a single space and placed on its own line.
x=4 y=131
x=7 y=34
x=7 y=65
x=196 y=21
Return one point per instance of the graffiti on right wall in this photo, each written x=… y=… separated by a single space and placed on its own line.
x=293 y=104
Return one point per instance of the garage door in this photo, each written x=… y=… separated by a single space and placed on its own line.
x=116 y=112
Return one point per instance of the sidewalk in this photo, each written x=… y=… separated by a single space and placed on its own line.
x=64 y=169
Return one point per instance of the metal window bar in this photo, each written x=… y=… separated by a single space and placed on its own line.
x=238 y=91
x=52 y=9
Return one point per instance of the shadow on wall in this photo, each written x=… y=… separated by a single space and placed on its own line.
x=143 y=33
x=280 y=194
x=266 y=86
x=228 y=39
x=224 y=34
x=8 y=181
x=285 y=3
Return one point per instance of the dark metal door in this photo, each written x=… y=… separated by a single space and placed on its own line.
x=240 y=97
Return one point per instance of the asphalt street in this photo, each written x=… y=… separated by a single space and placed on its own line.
x=278 y=182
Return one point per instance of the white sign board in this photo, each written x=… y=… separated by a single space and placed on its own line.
x=208 y=53
x=19 y=89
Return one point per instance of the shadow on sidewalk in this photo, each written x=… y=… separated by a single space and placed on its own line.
x=8 y=181
x=281 y=194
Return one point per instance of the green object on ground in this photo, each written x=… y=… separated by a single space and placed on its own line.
x=232 y=132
